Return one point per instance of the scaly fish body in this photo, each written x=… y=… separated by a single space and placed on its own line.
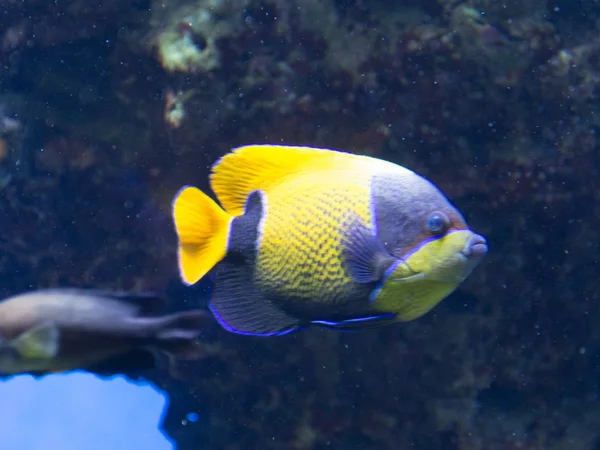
x=300 y=246
x=322 y=237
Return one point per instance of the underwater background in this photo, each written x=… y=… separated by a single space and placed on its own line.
x=108 y=108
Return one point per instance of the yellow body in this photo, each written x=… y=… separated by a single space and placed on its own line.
x=301 y=243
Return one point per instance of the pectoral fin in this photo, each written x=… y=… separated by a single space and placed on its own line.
x=41 y=342
x=367 y=259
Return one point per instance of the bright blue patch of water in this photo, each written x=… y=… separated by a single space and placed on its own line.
x=81 y=411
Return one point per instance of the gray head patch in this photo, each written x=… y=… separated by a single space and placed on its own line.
x=402 y=203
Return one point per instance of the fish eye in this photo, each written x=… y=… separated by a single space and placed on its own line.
x=437 y=222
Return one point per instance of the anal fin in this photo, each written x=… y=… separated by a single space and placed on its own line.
x=240 y=307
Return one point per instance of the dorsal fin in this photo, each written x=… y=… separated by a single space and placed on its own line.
x=149 y=303
x=259 y=167
x=145 y=303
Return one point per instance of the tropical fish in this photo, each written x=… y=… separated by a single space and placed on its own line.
x=59 y=330
x=317 y=236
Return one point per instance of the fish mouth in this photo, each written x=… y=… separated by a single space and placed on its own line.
x=476 y=248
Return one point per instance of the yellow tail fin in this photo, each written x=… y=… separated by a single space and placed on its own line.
x=203 y=231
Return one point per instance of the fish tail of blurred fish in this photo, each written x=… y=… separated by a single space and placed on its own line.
x=203 y=228
x=176 y=334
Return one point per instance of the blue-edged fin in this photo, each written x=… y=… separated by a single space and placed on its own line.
x=366 y=258
x=241 y=308
x=203 y=231
x=362 y=323
x=40 y=342
x=259 y=167
x=237 y=303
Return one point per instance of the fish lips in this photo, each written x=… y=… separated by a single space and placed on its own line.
x=476 y=248
x=473 y=252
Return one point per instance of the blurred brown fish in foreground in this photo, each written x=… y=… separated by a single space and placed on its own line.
x=59 y=330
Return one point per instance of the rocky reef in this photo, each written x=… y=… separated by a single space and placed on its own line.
x=108 y=108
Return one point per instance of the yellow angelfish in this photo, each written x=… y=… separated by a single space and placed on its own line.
x=316 y=236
